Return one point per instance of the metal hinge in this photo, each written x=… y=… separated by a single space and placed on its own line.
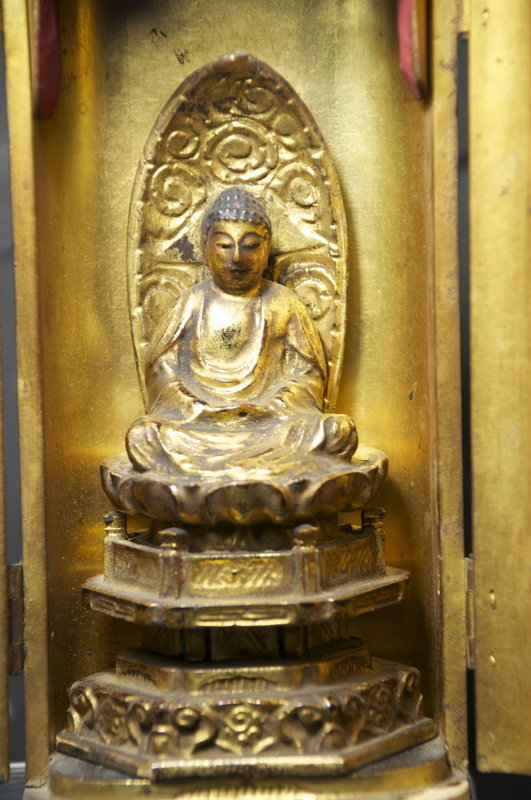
x=470 y=611
x=16 y=619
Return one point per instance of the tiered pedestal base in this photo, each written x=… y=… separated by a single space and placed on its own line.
x=157 y=719
x=250 y=667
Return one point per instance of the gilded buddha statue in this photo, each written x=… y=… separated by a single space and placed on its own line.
x=235 y=377
x=239 y=371
x=236 y=372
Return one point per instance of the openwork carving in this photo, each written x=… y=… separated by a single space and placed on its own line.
x=236 y=122
x=304 y=723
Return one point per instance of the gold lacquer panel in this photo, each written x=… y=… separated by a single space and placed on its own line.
x=121 y=62
x=500 y=142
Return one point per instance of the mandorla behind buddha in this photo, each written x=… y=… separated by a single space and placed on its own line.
x=236 y=372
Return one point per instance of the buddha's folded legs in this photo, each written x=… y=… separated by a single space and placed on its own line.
x=144 y=446
x=340 y=436
x=274 y=443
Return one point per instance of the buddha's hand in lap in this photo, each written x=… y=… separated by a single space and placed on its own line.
x=241 y=413
x=341 y=437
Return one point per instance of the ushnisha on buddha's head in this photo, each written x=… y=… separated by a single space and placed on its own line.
x=236 y=234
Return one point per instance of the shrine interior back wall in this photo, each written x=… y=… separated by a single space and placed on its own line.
x=121 y=63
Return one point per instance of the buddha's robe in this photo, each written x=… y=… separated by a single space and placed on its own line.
x=235 y=385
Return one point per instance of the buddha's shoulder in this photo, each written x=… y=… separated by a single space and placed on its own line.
x=194 y=295
x=199 y=288
x=276 y=291
x=278 y=294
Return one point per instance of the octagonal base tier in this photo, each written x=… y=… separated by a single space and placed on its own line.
x=143 y=607
x=281 y=499
x=159 y=719
x=171 y=579
x=423 y=767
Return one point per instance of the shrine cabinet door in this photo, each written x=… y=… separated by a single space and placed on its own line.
x=4 y=616
x=17 y=25
x=500 y=114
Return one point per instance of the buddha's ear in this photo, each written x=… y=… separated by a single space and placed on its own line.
x=271 y=272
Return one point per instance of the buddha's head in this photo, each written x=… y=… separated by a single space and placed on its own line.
x=236 y=237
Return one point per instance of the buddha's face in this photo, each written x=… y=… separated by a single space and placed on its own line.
x=237 y=254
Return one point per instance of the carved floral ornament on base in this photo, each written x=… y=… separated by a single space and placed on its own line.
x=243 y=578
